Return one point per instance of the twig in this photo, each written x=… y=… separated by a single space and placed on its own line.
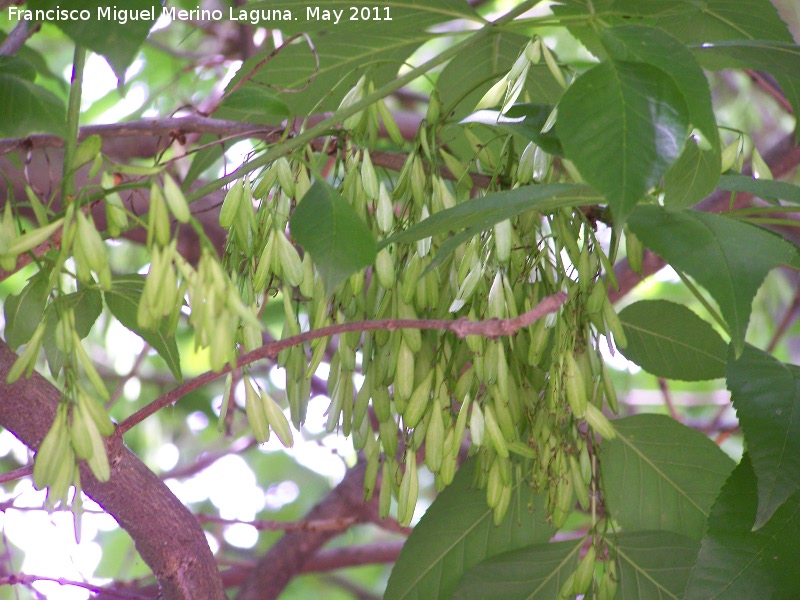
x=17 y=38
x=149 y=127
x=492 y=328
x=335 y=524
x=208 y=459
x=770 y=86
x=783 y=326
x=16 y=474
x=664 y=387
x=351 y=556
x=27 y=580
x=356 y=592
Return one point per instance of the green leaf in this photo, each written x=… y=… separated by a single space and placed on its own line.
x=406 y=15
x=482 y=213
x=661 y=475
x=649 y=45
x=123 y=302
x=623 y=124
x=28 y=108
x=253 y=105
x=669 y=340
x=17 y=67
x=23 y=311
x=766 y=189
x=766 y=395
x=779 y=58
x=737 y=563
x=325 y=225
x=86 y=304
x=203 y=159
x=117 y=37
x=316 y=79
x=727 y=257
x=653 y=564
x=456 y=533
x=536 y=571
x=526 y=120
x=693 y=21
x=692 y=177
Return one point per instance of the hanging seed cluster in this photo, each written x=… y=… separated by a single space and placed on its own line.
x=528 y=405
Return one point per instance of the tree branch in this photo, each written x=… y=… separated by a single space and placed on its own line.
x=491 y=328
x=288 y=556
x=17 y=38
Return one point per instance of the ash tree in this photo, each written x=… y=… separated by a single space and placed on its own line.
x=439 y=231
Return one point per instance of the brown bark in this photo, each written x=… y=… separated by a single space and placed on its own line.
x=166 y=534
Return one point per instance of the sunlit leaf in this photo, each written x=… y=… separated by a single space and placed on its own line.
x=23 y=311
x=727 y=257
x=669 y=340
x=737 y=563
x=123 y=301
x=325 y=225
x=456 y=533
x=661 y=475
x=689 y=20
x=649 y=45
x=766 y=395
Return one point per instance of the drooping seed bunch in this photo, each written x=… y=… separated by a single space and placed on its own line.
x=530 y=405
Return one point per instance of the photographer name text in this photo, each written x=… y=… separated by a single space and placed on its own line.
x=252 y=16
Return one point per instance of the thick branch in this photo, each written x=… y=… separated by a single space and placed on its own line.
x=166 y=534
x=289 y=554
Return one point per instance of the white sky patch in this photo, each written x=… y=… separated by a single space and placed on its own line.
x=236 y=156
x=132 y=389
x=241 y=535
x=167 y=457
x=122 y=346
x=616 y=361
x=198 y=421
x=279 y=495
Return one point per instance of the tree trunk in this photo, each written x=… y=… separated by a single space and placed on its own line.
x=166 y=534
